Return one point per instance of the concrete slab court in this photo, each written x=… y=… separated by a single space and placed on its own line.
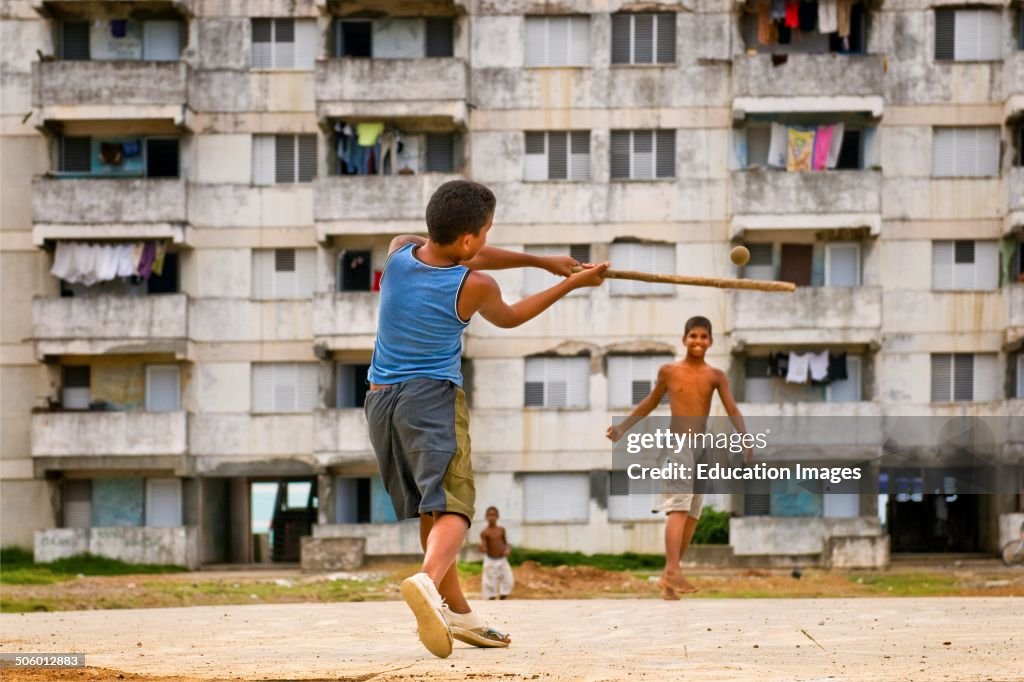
x=601 y=639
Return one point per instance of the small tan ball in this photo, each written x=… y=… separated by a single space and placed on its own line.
x=739 y=255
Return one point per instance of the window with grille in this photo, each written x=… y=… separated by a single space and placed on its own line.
x=283 y=159
x=761 y=264
x=558 y=41
x=74 y=40
x=557 y=382
x=965 y=151
x=968 y=34
x=284 y=387
x=643 y=38
x=656 y=258
x=283 y=273
x=284 y=44
x=965 y=377
x=624 y=505
x=965 y=265
x=631 y=378
x=643 y=154
x=561 y=155
x=76 y=387
x=556 y=497
x=538 y=279
x=440 y=152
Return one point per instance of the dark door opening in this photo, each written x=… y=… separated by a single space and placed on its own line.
x=939 y=520
x=283 y=511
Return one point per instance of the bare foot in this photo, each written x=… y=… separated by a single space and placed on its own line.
x=667 y=593
x=678 y=583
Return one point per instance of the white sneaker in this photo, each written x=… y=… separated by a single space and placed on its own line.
x=422 y=596
x=471 y=629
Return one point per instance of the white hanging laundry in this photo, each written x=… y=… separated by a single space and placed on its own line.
x=819 y=365
x=63 y=257
x=798 y=366
x=828 y=16
x=837 y=144
x=777 y=146
x=85 y=264
x=106 y=262
x=125 y=260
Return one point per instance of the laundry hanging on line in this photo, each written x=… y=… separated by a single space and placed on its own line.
x=802 y=148
x=88 y=264
x=800 y=368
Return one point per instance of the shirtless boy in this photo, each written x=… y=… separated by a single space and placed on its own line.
x=690 y=384
x=497 y=580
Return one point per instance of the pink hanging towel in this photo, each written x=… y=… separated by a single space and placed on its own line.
x=822 y=143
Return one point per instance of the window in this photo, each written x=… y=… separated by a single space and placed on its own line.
x=362 y=500
x=842 y=264
x=75 y=154
x=643 y=154
x=163 y=502
x=842 y=500
x=440 y=156
x=757 y=498
x=761 y=263
x=632 y=377
x=965 y=265
x=284 y=387
x=624 y=505
x=74 y=40
x=163 y=388
x=557 y=41
x=846 y=390
x=153 y=157
x=657 y=258
x=167 y=281
x=162 y=158
x=959 y=377
x=284 y=44
x=557 y=382
x=353 y=38
x=161 y=40
x=556 y=497
x=354 y=273
x=76 y=387
x=965 y=152
x=968 y=34
x=796 y=263
x=283 y=273
x=283 y=159
x=440 y=37
x=758 y=384
x=536 y=279
x=350 y=385
x=557 y=155
x=77 y=503
x=643 y=38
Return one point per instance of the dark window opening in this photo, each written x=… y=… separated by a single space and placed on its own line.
x=353 y=500
x=355 y=39
x=74 y=40
x=352 y=386
x=796 y=264
x=794 y=41
x=1020 y=138
x=162 y=158
x=167 y=282
x=440 y=37
x=76 y=154
x=354 y=271
x=851 y=153
x=440 y=153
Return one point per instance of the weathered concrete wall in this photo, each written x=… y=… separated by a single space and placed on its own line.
x=98 y=201
x=815 y=75
x=770 y=191
x=795 y=535
x=131 y=83
x=839 y=314
x=396 y=197
x=250 y=436
x=166 y=546
x=108 y=433
x=1009 y=527
x=110 y=317
x=382 y=539
x=332 y=554
x=389 y=80
x=345 y=314
x=341 y=438
x=225 y=319
x=224 y=206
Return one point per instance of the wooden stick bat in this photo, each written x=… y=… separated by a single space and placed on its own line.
x=691 y=280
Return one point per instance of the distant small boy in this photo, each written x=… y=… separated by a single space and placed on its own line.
x=416 y=409
x=690 y=383
x=497 y=581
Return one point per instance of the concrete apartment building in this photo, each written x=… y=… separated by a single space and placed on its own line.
x=153 y=418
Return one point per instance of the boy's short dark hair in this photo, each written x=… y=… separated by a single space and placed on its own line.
x=697 y=321
x=456 y=208
x=491 y=509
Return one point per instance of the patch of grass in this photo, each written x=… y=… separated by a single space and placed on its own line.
x=907 y=584
x=628 y=561
x=16 y=570
x=15 y=556
x=712 y=528
x=467 y=568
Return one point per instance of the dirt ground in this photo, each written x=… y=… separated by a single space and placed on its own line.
x=949 y=638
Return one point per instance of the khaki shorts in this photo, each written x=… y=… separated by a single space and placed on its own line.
x=679 y=495
x=690 y=503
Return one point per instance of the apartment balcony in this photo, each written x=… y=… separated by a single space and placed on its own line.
x=101 y=439
x=110 y=90
x=107 y=208
x=778 y=200
x=345 y=320
x=1014 y=221
x=261 y=444
x=340 y=437
x=50 y=8
x=809 y=315
x=433 y=87
x=371 y=204
x=110 y=324
x=815 y=76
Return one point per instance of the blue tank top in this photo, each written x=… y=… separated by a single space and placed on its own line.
x=419 y=333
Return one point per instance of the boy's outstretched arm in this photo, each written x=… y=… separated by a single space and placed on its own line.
x=734 y=412
x=493 y=258
x=482 y=294
x=645 y=407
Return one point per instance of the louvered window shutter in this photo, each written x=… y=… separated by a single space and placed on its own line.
x=77 y=503
x=620 y=154
x=944 y=143
x=847 y=390
x=643 y=155
x=76 y=387
x=536 y=41
x=986 y=151
x=163 y=502
x=558 y=152
x=556 y=497
x=624 y=505
x=307 y=44
x=963 y=377
x=666 y=38
x=307 y=386
x=581 y=252
x=945 y=29
x=987 y=379
x=942 y=265
x=579 y=159
x=306 y=158
x=558 y=41
x=305 y=273
x=622 y=29
x=666 y=153
x=76 y=154
x=284 y=43
x=284 y=158
x=536 y=164
x=758 y=385
x=942 y=377
x=843 y=265
x=163 y=388
x=963 y=265
x=440 y=152
x=262 y=387
x=263 y=155
x=262 y=44
x=761 y=264
x=579 y=41
x=643 y=39
x=986 y=265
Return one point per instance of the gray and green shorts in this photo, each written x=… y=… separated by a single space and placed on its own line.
x=419 y=430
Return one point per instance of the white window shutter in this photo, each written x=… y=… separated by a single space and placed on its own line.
x=987 y=379
x=624 y=505
x=536 y=279
x=643 y=155
x=619 y=380
x=842 y=265
x=161 y=41
x=986 y=265
x=306 y=44
x=77 y=503
x=943 y=152
x=536 y=41
x=847 y=390
x=558 y=41
x=990 y=32
x=263 y=274
x=1020 y=370
x=536 y=165
x=966 y=38
x=163 y=502
x=632 y=377
x=263 y=159
x=284 y=43
x=579 y=155
x=656 y=258
x=565 y=381
x=556 y=497
x=942 y=265
x=761 y=264
x=664 y=264
x=262 y=43
x=305 y=273
x=579 y=46
x=986 y=151
x=262 y=381
x=307 y=386
x=163 y=388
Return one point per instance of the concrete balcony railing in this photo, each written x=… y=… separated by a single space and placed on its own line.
x=108 y=208
x=808 y=315
x=174 y=546
x=756 y=192
x=373 y=204
x=216 y=437
x=808 y=75
x=346 y=319
x=109 y=83
x=108 y=434
x=432 y=85
x=340 y=436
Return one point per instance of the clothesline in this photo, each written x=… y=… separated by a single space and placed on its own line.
x=805 y=148
x=371 y=148
x=88 y=264
x=796 y=368
x=777 y=19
